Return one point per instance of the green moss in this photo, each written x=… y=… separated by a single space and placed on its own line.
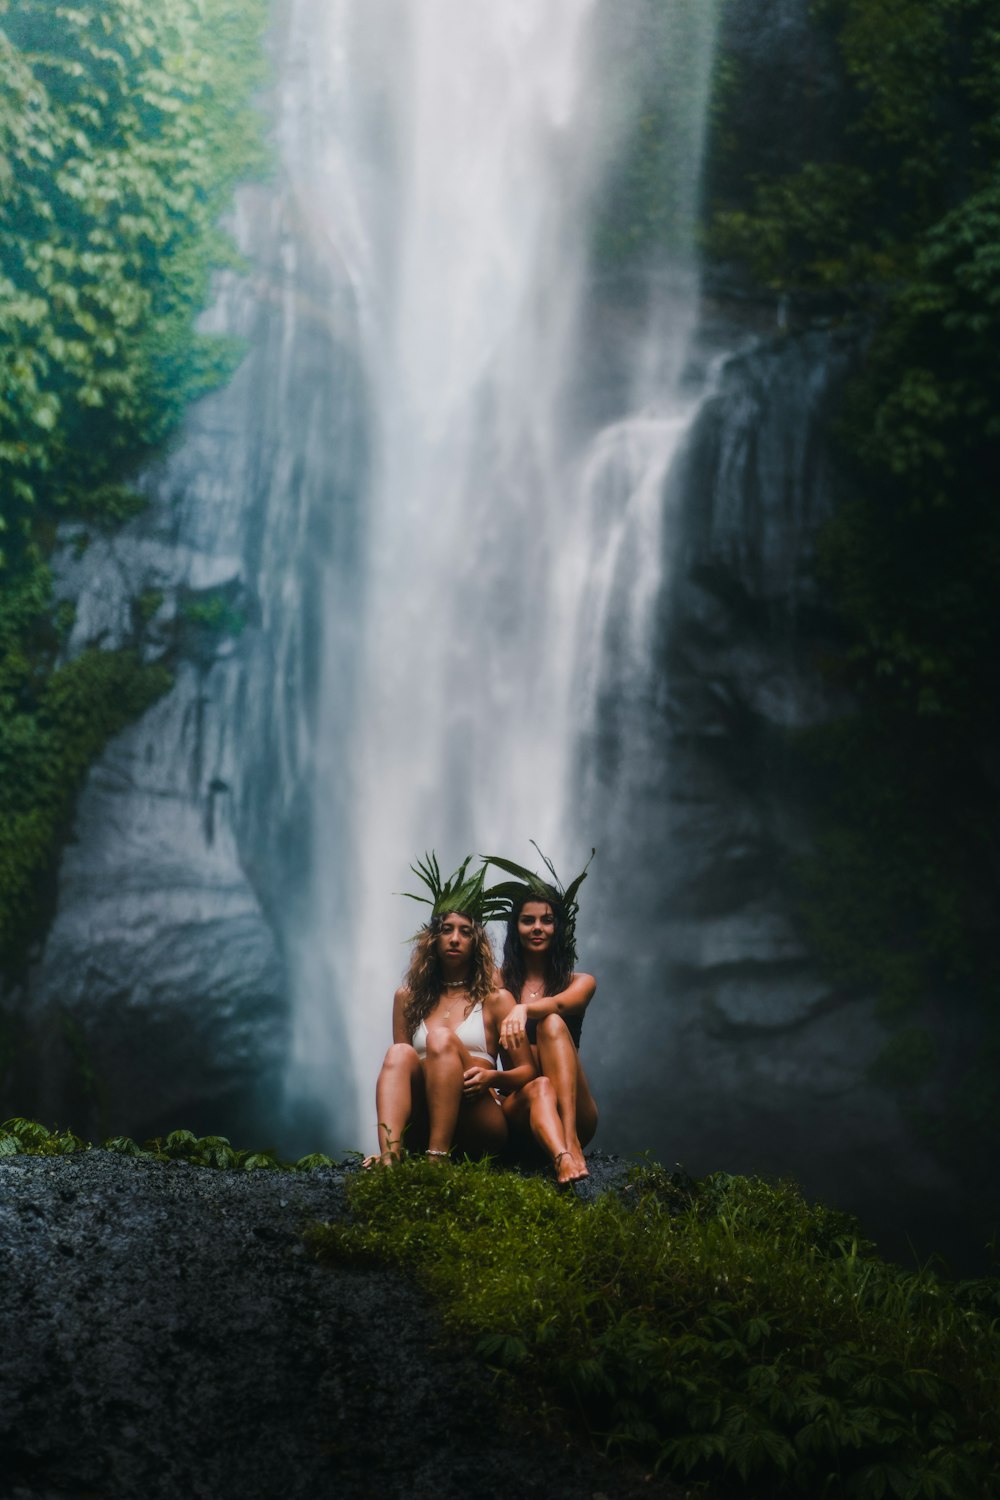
x=148 y=603
x=725 y=1330
x=52 y=726
x=214 y=611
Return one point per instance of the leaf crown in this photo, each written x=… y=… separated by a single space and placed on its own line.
x=510 y=893
x=461 y=892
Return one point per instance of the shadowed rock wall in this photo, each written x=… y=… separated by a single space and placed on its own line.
x=717 y=1038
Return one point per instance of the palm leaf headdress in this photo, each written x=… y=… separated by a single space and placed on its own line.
x=507 y=895
x=460 y=892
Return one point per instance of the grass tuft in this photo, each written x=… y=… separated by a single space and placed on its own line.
x=20 y=1137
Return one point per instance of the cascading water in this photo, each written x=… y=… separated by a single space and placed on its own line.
x=513 y=545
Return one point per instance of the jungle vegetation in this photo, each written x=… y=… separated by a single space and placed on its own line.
x=884 y=218
x=21 y=1137
x=725 y=1331
x=124 y=126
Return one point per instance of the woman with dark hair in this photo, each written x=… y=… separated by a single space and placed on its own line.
x=538 y=957
x=439 y=1087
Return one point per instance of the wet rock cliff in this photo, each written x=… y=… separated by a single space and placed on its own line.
x=738 y=1051
x=718 y=1037
x=161 y=990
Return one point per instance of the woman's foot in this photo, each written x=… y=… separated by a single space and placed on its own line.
x=567 y=1171
x=383 y=1159
x=575 y=1164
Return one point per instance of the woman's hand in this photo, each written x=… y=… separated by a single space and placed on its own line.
x=476 y=1082
x=512 y=1031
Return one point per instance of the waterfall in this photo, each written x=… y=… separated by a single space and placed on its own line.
x=511 y=557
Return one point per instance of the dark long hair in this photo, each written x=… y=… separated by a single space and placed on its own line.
x=559 y=959
x=425 y=976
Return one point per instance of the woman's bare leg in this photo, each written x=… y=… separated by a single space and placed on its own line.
x=586 y=1109
x=533 y=1108
x=560 y=1062
x=444 y=1070
x=476 y=1126
x=399 y=1095
x=482 y=1129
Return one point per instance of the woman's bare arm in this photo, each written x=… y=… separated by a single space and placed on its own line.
x=572 y=1001
x=400 y=1030
x=519 y=1060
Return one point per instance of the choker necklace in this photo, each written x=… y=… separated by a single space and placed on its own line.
x=453 y=984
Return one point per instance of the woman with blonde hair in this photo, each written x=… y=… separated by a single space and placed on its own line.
x=439 y=1088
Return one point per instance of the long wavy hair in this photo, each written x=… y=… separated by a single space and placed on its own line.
x=559 y=959
x=425 y=977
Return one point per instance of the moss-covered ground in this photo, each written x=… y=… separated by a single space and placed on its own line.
x=725 y=1330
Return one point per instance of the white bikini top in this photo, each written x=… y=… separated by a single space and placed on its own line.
x=471 y=1031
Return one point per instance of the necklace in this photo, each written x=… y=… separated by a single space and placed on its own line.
x=532 y=994
x=454 y=984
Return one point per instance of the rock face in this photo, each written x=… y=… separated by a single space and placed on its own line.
x=162 y=991
x=725 y=1045
x=165 y=1334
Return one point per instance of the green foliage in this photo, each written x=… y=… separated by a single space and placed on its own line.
x=20 y=1137
x=917 y=133
x=123 y=128
x=899 y=216
x=907 y=1060
x=148 y=603
x=458 y=892
x=725 y=1330
x=52 y=725
x=27 y=1138
x=215 y=612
